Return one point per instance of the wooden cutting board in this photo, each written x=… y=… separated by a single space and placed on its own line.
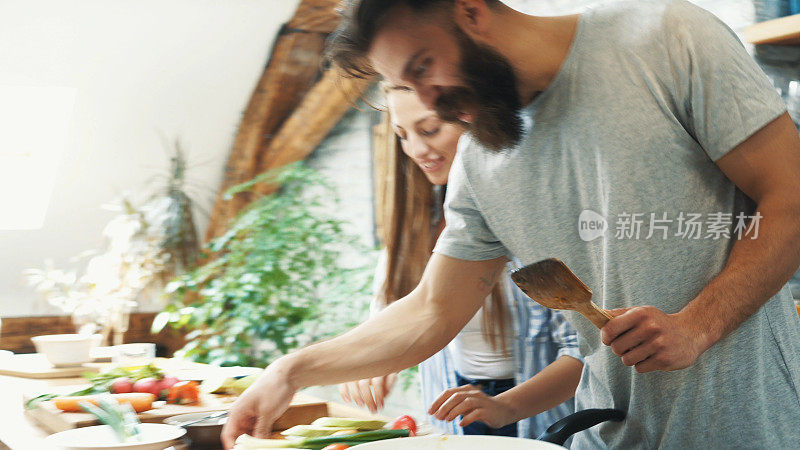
x=303 y=410
x=782 y=31
x=35 y=365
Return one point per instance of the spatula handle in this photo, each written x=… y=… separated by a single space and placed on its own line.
x=598 y=316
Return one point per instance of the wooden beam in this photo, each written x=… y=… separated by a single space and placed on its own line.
x=291 y=72
x=316 y=16
x=322 y=108
x=293 y=68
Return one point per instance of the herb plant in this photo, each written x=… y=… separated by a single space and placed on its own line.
x=281 y=278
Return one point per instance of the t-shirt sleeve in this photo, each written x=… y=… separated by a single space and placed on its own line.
x=466 y=235
x=723 y=95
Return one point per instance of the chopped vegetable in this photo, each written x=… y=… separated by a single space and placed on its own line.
x=140 y=401
x=184 y=393
x=404 y=423
x=345 y=432
x=313 y=431
x=245 y=442
x=120 y=417
x=343 y=422
x=336 y=447
x=242 y=384
x=102 y=383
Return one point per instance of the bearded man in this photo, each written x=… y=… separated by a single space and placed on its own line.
x=647 y=117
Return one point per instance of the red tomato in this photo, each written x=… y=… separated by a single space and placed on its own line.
x=121 y=385
x=149 y=384
x=336 y=447
x=404 y=423
x=184 y=393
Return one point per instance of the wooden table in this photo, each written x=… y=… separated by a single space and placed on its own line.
x=19 y=432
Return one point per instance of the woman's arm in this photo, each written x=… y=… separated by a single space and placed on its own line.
x=552 y=386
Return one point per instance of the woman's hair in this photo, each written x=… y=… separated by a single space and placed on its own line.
x=412 y=226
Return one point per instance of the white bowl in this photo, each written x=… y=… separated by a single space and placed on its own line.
x=155 y=436
x=63 y=350
x=459 y=443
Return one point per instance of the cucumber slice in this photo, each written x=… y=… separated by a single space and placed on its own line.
x=344 y=422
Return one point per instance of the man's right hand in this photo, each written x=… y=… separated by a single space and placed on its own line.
x=259 y=407
x=369 y=392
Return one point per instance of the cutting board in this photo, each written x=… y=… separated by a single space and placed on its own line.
x=35 y=365
x=783 y=31
x=303 y=410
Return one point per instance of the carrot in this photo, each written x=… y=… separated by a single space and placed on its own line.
x=140 y=401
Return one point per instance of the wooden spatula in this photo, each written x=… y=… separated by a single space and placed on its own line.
x=551 y=284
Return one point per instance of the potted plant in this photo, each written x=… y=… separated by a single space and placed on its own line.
x=286 y=273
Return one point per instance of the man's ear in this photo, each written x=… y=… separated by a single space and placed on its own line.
x=473 y=17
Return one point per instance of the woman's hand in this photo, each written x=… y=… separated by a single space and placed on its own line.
x=473 y=405
x=369 y=392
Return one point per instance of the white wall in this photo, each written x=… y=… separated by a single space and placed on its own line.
x=182 y=67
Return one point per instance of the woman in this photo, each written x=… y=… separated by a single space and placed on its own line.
x=508 y=341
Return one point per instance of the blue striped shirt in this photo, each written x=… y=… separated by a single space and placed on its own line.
x=541 y=336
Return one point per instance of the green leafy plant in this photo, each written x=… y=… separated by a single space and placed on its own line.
x=280 y=279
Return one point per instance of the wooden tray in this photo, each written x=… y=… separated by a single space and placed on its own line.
x=303 y=410
x=35 y=365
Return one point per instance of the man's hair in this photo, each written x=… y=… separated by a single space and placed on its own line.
x=361 y=19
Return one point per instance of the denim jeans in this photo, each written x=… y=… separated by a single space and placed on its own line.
x=491 y=388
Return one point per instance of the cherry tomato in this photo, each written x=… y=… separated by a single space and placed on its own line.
x=184 y=393
x=336 y=447
x=404 y=423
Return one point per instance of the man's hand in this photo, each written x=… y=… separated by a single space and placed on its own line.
x=649 y=339
x=258 y=407
x=369 y=392
x=475 y=406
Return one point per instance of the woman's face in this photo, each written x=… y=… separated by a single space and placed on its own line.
x=426 y=139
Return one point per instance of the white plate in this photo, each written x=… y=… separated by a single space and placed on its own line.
x=155 y=436
x=459 y=443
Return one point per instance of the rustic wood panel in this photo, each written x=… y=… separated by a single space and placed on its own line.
x=384 y=169
x=322 y=108
x=292 y=70
x=316 y=16
x=16 y=332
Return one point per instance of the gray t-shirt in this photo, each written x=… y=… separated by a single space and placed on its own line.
x=650 y=95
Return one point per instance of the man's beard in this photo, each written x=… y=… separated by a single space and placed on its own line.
x=490 y=94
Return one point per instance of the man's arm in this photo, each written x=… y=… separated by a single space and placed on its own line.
x=552 y=386
x=766 y=167
x=404 y=334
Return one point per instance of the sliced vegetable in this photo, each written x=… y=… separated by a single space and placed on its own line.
x=336 y=447
x=140 y=401
x=242 y=384
x=344 y=422
x=245 y=442
x=345 y=432
x=313 y=431
x=184 y=393
x=404 y=422
x=120 y=417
